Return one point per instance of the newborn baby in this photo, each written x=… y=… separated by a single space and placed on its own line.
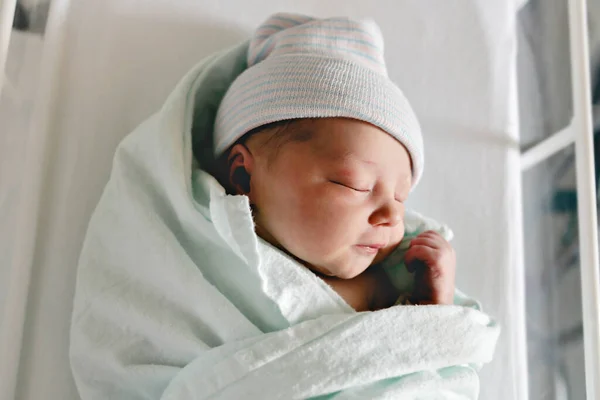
x=330 y=192
x=327 y=149
x=318 y=150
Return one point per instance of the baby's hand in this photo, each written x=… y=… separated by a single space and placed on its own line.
x=433 y=260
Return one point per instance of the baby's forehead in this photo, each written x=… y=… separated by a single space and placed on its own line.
x=341 y=141
x=348 y=136
x=363 y=149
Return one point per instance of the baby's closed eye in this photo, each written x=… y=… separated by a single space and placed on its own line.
x=352 y=186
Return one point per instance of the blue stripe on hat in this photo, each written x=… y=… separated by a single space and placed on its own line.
x=259 y=56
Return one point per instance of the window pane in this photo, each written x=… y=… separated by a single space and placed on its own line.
x=553 y=290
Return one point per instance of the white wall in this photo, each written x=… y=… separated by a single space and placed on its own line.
x=16 y=104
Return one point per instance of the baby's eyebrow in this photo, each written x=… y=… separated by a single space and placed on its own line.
x=349 y=155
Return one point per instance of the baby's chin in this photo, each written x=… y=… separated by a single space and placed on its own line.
x=356 y=267
x=349 y=274
x=348 y=270
x=352 y=268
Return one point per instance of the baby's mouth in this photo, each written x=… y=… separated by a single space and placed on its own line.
x=370 y=248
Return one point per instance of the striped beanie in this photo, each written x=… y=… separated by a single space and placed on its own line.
x=303 y=67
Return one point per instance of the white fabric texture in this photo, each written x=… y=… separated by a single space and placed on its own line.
x=455 y=61
x=177 y=298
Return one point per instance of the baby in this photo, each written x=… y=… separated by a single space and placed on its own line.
x=177 y=298
x=327 y=149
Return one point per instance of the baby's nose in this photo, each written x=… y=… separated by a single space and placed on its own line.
x=389 y=214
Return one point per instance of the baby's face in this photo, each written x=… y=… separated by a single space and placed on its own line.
x=335 y=201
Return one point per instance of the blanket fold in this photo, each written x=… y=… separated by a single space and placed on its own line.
x=177 y=298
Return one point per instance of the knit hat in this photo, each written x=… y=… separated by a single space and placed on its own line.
x=303 y=67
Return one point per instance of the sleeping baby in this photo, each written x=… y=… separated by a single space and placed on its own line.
x=327 y=149
x=247 y=221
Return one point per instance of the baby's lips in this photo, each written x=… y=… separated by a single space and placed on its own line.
x=383 y=253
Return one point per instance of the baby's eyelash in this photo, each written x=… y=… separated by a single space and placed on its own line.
x=352 y=188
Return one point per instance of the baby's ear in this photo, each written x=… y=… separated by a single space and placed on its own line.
x=241 y=164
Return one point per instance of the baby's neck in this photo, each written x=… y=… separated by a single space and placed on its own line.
x=369 y=291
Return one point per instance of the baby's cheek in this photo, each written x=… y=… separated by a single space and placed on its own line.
x=325 y=224
x=395 y=240
x=398 y=234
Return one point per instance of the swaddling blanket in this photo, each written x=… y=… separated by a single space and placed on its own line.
x=177 y=298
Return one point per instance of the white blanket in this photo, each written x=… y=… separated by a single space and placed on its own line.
x=177 y=298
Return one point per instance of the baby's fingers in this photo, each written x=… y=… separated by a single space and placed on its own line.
x=428 y=241
x=421 y=253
